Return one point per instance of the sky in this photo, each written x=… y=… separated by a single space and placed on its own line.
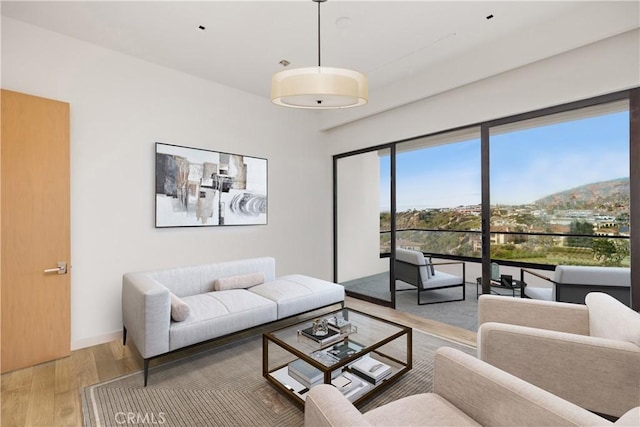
x=525 y=165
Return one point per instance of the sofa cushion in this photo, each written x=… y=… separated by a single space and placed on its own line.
x=581 y=275
x=219 y=313
x=609 y=318
x=419 y=410
x=198 y=279
x=441 y=279
x=297 y=293
x=541 y=293
x=238 y=282
x=179 y=309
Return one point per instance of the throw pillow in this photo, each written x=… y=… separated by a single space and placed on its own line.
x=432 y=270
x=179 y=309
x=238 y=282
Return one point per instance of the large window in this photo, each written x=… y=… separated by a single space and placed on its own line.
x=438 y=195
x=537 y=190
x=560 y=188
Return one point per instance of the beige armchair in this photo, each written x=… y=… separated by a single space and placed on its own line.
x=466 y=392
x=587 y=354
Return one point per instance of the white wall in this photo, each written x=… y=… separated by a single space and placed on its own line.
x=603 y=67
x=359 y=218
x=120 y=106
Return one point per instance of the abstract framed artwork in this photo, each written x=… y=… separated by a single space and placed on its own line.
x=199 y=188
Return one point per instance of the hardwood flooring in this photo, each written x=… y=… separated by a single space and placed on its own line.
x=49 y=394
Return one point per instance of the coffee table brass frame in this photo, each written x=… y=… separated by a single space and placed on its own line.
x=399 y=367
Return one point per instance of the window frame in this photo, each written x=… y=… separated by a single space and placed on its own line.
x=633 y=97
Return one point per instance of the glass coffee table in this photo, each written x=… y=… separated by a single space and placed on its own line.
x=359 y=354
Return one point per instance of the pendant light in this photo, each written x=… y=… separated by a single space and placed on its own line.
x=319 y=88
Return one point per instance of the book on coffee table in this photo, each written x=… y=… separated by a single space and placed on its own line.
x=331 y=355
x=306 y=374
x=371 y=369
x=350 y=385
x=343 y=350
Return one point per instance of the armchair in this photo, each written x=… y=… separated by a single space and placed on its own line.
x=466 y=392
x=587 y=354
x=413 y=268
x=571 y=283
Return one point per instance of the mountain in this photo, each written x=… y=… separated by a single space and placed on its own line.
x=605 y=193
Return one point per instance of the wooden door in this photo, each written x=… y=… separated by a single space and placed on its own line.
x=35 y=231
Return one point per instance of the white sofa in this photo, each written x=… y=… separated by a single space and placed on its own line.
x=167 y=310
x=571 y=283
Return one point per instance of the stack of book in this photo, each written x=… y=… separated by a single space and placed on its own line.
x=350 y=385
x=371 y=369
x=306 y=374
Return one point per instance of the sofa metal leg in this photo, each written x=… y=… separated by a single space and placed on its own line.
x=124 y=335
x=146 y=371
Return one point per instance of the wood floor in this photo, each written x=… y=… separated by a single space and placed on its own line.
x=49 y=394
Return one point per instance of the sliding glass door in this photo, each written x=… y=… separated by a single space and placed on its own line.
x=438 y=185
x=538 y=189
x=362 y=188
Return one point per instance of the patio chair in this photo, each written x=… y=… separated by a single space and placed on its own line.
x=587 y=354
x=571 y=283
x=414 y=269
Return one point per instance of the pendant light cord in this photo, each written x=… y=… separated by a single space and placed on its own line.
x=319 y=34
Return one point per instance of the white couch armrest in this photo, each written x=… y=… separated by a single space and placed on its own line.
x=146 y=313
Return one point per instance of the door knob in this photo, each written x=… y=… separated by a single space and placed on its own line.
x=61 y=269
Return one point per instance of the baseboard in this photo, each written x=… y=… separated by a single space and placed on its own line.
x=96 y=340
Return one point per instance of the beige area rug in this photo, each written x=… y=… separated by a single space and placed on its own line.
x=224 y=387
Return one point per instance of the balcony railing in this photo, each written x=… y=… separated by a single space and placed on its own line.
x=535 y=249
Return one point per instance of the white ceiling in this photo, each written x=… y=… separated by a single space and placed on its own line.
x=409 y=49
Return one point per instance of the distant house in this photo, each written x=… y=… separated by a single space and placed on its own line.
x=498 y=238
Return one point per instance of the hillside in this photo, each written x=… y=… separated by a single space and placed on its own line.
x=425 y=219
x=605 y=193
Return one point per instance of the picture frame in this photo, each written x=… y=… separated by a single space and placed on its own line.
x=197 y=187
